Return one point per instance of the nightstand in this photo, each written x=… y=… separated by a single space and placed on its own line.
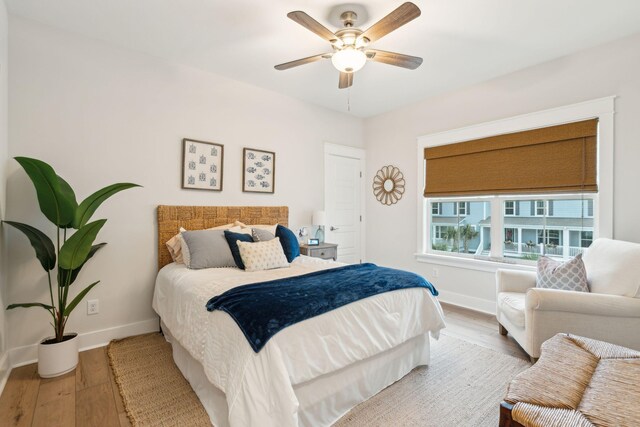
x=323 y=250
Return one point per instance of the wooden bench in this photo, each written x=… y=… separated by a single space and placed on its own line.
x=577 y=382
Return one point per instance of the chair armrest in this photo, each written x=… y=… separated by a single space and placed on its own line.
x=515 y=280
x=582 y=302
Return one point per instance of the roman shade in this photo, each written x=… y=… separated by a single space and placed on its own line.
x=555 y=159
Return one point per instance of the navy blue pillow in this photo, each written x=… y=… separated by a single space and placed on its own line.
x=289 y=242
x=232 y=240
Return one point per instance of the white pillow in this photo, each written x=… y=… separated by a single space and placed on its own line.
x=262 y=255
x=613 y=267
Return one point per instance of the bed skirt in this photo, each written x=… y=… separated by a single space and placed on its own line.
x=322 y=400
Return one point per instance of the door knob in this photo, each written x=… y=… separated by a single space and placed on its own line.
x=332 y=228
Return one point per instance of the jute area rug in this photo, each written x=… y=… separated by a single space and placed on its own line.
x=463 y=386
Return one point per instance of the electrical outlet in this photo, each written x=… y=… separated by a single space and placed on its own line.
x=435 y=272
x=93 y=306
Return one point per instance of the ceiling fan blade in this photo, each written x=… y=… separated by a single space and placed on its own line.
x=311 y=24
x=396 y=19
x=302 y=61
x=346 y=80
x=392 y=58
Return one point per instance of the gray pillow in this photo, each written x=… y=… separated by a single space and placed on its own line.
x=570 y=275
x=260 y=235
x=208 y=249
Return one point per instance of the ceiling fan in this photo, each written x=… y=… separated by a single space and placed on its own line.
x=350 y=44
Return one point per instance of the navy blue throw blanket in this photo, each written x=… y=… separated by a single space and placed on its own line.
x=261 y=310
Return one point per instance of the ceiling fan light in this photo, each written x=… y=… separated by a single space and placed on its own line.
x=349 y=60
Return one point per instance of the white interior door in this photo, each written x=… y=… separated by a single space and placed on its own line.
x=344 y=193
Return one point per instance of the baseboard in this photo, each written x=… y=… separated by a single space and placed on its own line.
x=20 y=356
x=466 y=301
x=5 y=370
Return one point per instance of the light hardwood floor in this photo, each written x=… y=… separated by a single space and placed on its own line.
x=90 y=397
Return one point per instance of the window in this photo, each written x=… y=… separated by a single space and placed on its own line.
x=510 y=236
x=590 y=208
x=436 y=208
x=462 y=208
x=549 y=237
x=510 y=207
x=585 y=145
x=439 y=232
x=586 y=238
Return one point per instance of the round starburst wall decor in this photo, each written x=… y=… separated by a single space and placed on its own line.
x=388 y=185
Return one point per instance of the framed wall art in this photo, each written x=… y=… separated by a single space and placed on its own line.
x=202 y=165
x=258 y=171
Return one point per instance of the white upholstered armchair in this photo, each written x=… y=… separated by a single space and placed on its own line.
x=610 y=312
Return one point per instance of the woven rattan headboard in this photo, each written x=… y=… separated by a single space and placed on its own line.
x=171 y=218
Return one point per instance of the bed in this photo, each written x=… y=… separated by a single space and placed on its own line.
x=309 y=374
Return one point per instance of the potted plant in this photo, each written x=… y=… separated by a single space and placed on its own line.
x=58 y=354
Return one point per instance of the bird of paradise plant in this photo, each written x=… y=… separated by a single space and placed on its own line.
x=71 y=250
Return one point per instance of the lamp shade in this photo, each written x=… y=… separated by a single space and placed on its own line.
x=319 y=218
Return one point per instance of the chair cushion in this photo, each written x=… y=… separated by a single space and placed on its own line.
x=512 y=306
x=613 y=267
x=566 y=276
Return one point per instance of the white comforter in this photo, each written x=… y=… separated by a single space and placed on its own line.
x=259 y=386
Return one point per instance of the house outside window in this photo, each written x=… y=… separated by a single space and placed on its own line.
x=541 y=208
x=524 y=237
x=436 y=208
x=456 y=228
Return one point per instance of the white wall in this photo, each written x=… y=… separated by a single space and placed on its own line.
x=101 y=115
x=612 y=69
x=4 y=144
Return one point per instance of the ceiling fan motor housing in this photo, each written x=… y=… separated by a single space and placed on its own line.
x=349 y=18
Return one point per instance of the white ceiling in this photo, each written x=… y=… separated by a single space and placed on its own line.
x=462 y=41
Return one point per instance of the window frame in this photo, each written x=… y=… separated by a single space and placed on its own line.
x=603 y=109
x=439 y=208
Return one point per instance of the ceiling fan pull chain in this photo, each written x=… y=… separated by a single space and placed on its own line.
x=349 y=99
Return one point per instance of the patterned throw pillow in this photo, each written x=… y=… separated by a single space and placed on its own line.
x=567 y=276
x=262 y=255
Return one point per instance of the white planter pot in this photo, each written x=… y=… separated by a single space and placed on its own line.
x=58 y=358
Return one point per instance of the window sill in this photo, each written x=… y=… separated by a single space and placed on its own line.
x=490 y=266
